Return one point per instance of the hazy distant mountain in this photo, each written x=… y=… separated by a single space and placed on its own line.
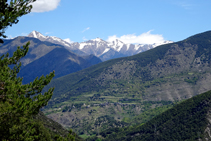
x=55 y=40
x=93 y=60
x=37 y=48
x=98 y=47
x=51 y=39
x=59 y=60
x=44 y=57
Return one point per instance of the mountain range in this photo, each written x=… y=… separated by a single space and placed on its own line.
x=98 y=47
x=48 y=53
x=123 y=88
x=117 y=99
x=44 y=57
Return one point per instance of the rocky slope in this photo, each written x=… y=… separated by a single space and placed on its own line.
x=170 y=72
x=189 y=120
x=162 y=73
x=98 y=47
x=44 y=57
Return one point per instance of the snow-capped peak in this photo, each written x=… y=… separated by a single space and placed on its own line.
x=97 y=39
x=117 y=42
x=117 y=45
x=36 y=34
x=99 y=47
x=52 y=39
x=158 y=44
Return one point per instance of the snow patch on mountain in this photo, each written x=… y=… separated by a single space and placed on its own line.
x=106 y=50
x=158 y=44
x=82 y=45
x=51 y=39
x=99 y=47
x=97 y=40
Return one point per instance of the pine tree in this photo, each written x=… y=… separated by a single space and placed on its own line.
x=20 y=103
x=11 y=11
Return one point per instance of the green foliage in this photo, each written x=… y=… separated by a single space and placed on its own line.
x=70 y=137
x=19 y=103
x=203 y=43
x=165 y=73
x=191 y=80
x=150 y=69
x=182 y=122
x=135 y=122
x=11 y=11
x=149 y=114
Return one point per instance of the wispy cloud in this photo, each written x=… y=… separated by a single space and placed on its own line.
x=85 y=39
x=45 y=5
x=68 y=40
x=185 y=4
x=24 y=34
x=9 y=37
x=144 y=38
x=47 y=33
x=85 y=29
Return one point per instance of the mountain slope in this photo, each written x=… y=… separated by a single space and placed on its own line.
x=52 y=127
x=98 y=47
x=44 y=57
x=37 y=48
x=55 y=40
x=59 y=60
x=189 y=120
x=110 y=50
x=92 y=59
x=126 y=87
x=162 y=73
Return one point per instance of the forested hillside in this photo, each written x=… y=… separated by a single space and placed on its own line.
x=189 y=121
x=124 y=88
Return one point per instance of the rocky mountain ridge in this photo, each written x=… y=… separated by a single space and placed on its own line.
x=44 y=57
x=100 y=48
x=170 y=72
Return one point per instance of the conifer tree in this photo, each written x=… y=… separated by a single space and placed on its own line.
x=20 y=103
x=10 y=11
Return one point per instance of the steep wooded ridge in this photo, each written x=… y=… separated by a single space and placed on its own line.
x=44 y=57
x=189 y=121
x=52 y=127
x=125 y=87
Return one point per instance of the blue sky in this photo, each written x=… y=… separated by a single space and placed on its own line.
x=132 y=21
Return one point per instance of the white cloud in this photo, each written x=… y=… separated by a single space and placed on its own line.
x=24 y=34
x=45 y=5
x=185 y=5
x=85 y=29
x=144 y=38
x=85 y=39
x=68 y=40
x=9 y=37
x=47 y=33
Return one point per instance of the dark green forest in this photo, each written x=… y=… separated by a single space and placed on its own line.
x=187 y=120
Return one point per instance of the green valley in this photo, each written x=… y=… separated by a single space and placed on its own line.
x=121 y=89
x=188 y=120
